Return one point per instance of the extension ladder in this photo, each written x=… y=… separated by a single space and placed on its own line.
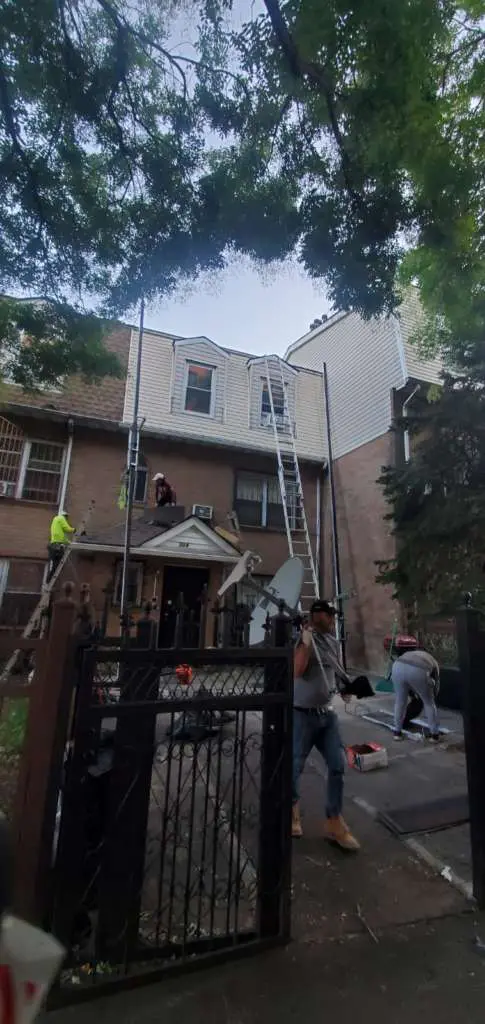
x=289 y=478
x=43 y=603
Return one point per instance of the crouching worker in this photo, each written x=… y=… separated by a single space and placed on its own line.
x=416 y=675
x=60 y=535
x=318 y=675
x=164 y=492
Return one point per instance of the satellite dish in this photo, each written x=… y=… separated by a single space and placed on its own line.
x=285 y=586
x=244 y=567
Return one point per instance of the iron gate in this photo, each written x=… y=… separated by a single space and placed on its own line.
x=174 y=840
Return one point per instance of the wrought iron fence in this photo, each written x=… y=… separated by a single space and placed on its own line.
x=174 y=822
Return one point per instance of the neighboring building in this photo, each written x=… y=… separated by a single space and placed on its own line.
x=206 y=426
x=373 y=370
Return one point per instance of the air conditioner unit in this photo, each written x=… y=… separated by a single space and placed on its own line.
x=203 y=512
x=266 y=419
x=7 y=489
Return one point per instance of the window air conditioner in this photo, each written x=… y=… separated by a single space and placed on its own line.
x=7 y=489
x=266 y=419
x=202 y=512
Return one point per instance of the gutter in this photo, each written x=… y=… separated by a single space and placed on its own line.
x=117 y=549
x=118 y=427
x=57 y=416
x=407 y=446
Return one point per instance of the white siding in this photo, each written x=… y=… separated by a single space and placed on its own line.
x=428 y=370
x=160 y=383
x=363 y=365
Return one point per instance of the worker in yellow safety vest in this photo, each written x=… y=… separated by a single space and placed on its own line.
x=60 y=535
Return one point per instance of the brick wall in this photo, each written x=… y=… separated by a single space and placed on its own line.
x=98 y=570
x=201 y=475
x=364 y=538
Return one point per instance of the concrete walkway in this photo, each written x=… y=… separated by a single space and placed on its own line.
x=380 y=936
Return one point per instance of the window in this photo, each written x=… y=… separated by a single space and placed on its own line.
x=42 y=470
x=134 y=584
x=141 y=482
x=249 y=597
x=278 y=402
x=199 y=389
x=20 y=589
x=258 y=501
x=11 y=448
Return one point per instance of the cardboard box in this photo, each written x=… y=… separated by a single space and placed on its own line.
x=366 y=757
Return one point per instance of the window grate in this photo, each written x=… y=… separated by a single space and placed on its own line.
x=43 y=472
x=11 y=447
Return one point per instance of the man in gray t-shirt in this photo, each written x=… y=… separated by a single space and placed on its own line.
x=318 y=675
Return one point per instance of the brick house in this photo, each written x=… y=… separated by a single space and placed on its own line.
x=374 y=374
x=206 y=426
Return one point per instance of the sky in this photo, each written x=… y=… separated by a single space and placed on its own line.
x=244 y=307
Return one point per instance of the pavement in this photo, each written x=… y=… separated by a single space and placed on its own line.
x=382 y=935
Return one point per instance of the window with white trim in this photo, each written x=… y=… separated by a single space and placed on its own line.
x=11 y=448
x=29 y=469
x=134 y=584
x=258 y=501
x=199 y=389
x=278 y=404
x=41 y=472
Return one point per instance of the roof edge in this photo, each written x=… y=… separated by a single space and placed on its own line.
x=334 y=319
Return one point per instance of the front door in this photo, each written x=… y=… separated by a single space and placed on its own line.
x=181 y=581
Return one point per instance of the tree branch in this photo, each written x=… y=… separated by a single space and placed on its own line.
x=17 y=147
x=317 y=77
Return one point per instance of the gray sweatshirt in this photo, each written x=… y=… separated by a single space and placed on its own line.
x=318 y=684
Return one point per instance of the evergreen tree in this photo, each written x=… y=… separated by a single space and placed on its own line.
x=437 y=498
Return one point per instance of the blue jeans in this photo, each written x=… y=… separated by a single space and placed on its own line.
x=319 y=729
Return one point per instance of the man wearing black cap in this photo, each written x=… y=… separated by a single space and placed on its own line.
x=318 y=675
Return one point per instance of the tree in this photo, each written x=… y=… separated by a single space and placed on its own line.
x=342 y=131
x=437 y=499
x=41 y=342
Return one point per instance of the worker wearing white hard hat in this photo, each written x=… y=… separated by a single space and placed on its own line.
x=164 y=492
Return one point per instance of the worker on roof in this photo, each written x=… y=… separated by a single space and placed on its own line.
x=164 y=492
x=60 y=535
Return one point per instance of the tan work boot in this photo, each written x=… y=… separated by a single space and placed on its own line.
x=296 y=829
x=337 y=831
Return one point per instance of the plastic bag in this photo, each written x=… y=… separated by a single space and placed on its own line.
x=29 y=962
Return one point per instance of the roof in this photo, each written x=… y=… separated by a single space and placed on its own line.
x=191 y=538
x=315 y=332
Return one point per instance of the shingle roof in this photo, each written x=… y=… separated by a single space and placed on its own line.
x=142 y=530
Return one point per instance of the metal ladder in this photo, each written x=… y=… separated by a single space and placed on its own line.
x=35 y=620
x=289 y=478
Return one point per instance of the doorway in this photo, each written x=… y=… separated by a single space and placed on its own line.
x=190 y=582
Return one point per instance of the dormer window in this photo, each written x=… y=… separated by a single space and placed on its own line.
x=199 y=389
x=278 y=404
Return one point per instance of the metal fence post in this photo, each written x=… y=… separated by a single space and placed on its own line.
x=41 y=763
x=471 y=655
x=276 y=798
